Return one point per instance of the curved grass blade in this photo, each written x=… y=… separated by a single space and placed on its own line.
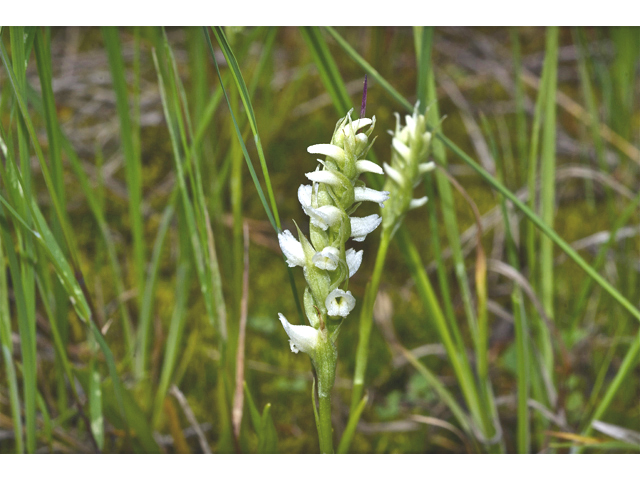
x=372 y=72
x=246 y=101
x=275 y=222
x=327 y=69
x=542 y=226
x=201 y=260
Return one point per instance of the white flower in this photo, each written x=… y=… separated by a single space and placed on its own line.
x=363 y=166
x=324 y=176
x=339 y=303
x=354 y=259
x=362 y=226
x=369 y=194
x=302 y=338
x=322 y=217
x=332 y=151
x=417 y=202
x=327 y=259
x=292 y=249
x=402 y=149
x=394 y=174
x=359 y=123
x=426 y=167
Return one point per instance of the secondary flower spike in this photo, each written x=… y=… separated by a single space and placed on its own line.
x=330 y=201
x=409 y=152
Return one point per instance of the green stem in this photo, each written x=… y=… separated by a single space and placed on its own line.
x=459 y=360
x=366 y=321
x=325 y=433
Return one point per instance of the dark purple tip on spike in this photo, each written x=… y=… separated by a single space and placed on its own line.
x=364 y=98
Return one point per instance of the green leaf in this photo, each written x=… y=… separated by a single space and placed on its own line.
x=267 y=435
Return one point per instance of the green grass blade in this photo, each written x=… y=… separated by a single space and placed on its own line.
x=247 y=158
x=132 y=163
x=26 y=325
x=201 y=260
x=350 y=429
x=6 y=343
x=521 y=115
x=148 y=296
x=174 y=337
x=246 y=101
x=43 y=60
x=543 y=227
x=372 y=72
x=95 y=401
x=36 y=146
x=327 y=69
x=423 y=39
x=585 y=290
x=519 y=312
x=268 y=441
x=547 y=190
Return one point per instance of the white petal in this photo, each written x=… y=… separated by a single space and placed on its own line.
x=369 y=194
x=411 y=122
x=362 y=226
x=324 y=176
x=301 y=337
x=368 y=166
x=304 y=195
x=322 y=217
x=327 y=149
x=339 y=303
x=361 y=122
x=325 y=216
x=354 y=259
x=327 y=259
x=292 y=249
x=417 y=202
x=426 y=167
x=402 y=149
x=394 y=174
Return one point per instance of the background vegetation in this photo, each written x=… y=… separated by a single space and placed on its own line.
x=142 y=275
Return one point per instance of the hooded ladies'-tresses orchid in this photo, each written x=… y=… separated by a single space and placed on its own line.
x=330 y=201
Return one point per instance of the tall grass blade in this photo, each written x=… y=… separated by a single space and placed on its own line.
x=246 y=101
x=132 y=163
x=6 y=343
x=327 y=68
x=547 y=191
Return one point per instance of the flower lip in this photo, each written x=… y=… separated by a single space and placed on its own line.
x=393 y=174
x=402 y=149
x=301 y=337
x=362 y=226
x=292 y=249
x=327 y=259
x=368 y=166
x=371 y=195
x=329 y=150
x=322 y=217
x=324 y=176
x=339 y=303
x=417 y=202
x=354 y=260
